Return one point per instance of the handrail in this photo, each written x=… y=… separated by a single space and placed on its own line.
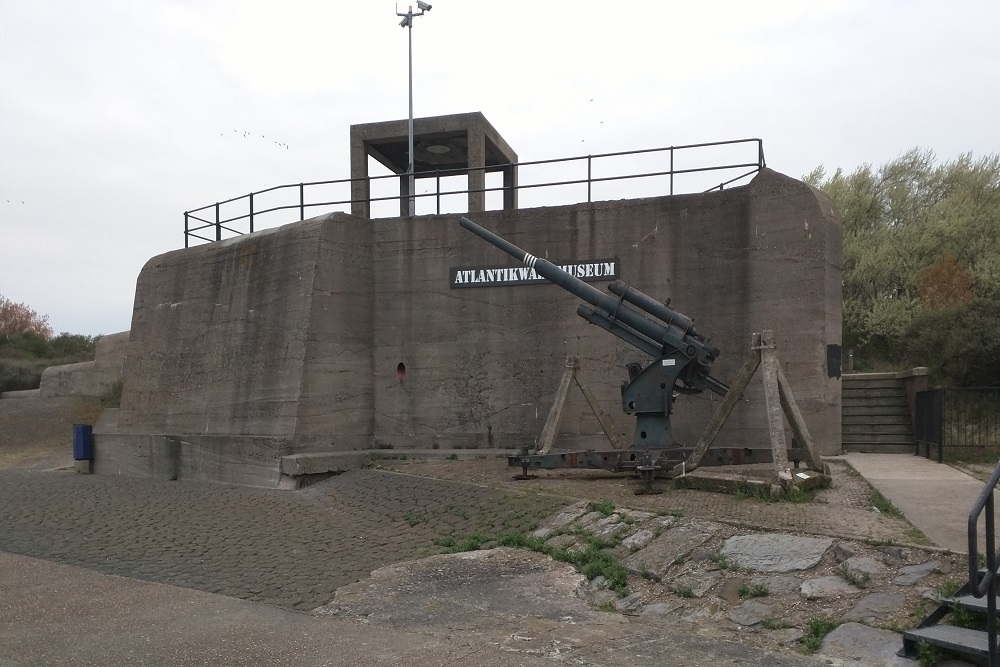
x=986 y=585
x=219 y=224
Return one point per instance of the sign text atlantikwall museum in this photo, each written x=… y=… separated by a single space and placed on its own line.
x=590 y=270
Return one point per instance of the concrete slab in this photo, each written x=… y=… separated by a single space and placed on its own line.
x=934 y=497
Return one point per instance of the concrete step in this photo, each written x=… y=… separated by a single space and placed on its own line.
x=854 y=382
x=973 y=643
x=882 y=420
x=877 y=438
x=873 y=393
x=874 y=401
x=865 y=410
x=878 y=448
x=877 y=428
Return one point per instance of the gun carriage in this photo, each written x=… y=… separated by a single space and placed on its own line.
x=682 y=360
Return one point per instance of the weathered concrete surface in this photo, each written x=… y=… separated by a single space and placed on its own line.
x=343 y=333
x=248 y=350
x=485 y=366
x=936 y=498
x=88 y=378
x=775 y=553
x=53 y=614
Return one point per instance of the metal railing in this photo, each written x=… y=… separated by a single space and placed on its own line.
x=964 y=421
x=216 y=221
x=984 y=582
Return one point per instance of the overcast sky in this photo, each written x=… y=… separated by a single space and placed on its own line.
x=116 y=116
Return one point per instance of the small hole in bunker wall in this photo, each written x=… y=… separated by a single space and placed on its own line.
x=400 y=370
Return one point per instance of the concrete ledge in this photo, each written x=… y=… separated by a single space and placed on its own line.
x=314 y=463
x=26 y=393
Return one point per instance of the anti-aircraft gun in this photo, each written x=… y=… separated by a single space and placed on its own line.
x=682 y=364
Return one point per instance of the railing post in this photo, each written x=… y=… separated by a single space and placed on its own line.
x=589 y=176
x=671 y=171
x=218 y=226
x=185 y=229
x=302 y=201
x=437 y=179
x=251 y=213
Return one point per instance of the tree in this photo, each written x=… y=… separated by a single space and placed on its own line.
x=18 y=318
x=920 y=250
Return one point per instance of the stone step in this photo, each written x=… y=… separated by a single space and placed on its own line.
x=877 y=438
x=874 y=393
x=973 y=643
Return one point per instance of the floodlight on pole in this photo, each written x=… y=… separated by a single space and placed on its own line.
x=407 y=22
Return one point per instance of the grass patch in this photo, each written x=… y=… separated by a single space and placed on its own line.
x=605 y=507
x=754 y=590
x=769 y=623
x=884 y=505
x=859 y=579
x=817 y=627
x=722 y=561
x=452 y=457
x=684 y=590
x=413 y=519
x=927 y=655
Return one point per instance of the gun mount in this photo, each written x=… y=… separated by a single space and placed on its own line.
x=682 y=364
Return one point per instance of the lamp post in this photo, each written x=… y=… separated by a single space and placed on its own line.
x=407 y=22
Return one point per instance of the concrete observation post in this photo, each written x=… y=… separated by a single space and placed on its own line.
x=454 y=144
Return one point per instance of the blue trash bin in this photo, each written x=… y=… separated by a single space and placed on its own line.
x=82 y=442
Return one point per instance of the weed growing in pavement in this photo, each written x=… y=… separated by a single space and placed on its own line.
x=470 y=543
x=413 y=519
x=754 y=590
x=605 y=507
x=818 y=627
x=769 y=623
x=722 y=562
x=859 y=579
x=452 y=457
x=927 y=655
x=607 y=606
x=677 y=514
x=948 y=588
x=884 y=505
x=684 y=590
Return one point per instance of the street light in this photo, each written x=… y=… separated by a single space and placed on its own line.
x=407 y=22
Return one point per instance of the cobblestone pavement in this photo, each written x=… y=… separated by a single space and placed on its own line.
x=283 y=548
x=844 y=510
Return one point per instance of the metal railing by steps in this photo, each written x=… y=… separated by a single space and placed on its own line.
x=975 y=604
x=875 y=414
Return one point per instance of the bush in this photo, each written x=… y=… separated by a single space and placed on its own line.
x=960 y=343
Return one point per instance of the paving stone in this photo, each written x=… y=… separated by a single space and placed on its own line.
x=638 y=539
x=590 y=518
x=664 y=551
x=825 y=587
x=841 y=552
x=698 y=583
x=787 y=636
x=635 y=515
x=566 y=516
x=864 y=645
x=607 y=526
x=861 y=565
x=629 y=604
x=775 y=552
x=875 y=606
x=777 y=584
x=562 y=541
x=699 y=612
x=730 y=590
x=750 y=613
x=911 y=574
x=662 y=608
x=897 y=555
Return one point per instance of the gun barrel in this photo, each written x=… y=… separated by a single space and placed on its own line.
x=573 y=285
x=647 y=303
